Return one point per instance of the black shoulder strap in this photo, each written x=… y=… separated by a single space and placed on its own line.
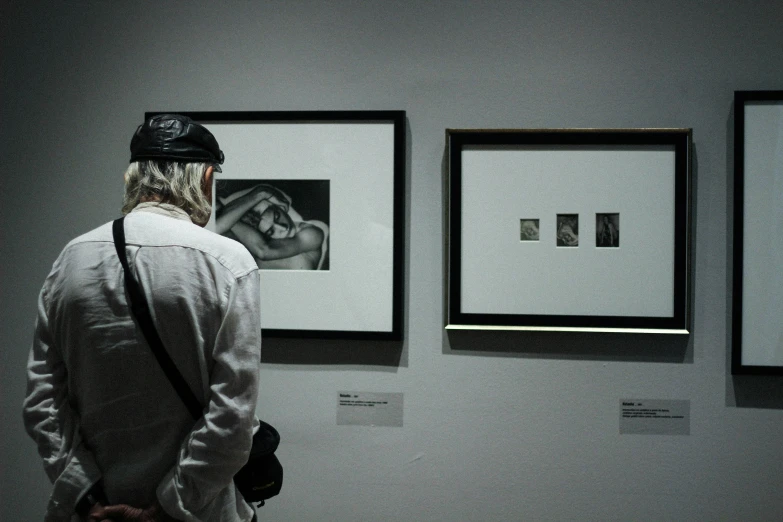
x=141 y=311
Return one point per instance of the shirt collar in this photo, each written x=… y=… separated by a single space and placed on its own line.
x=164 y=209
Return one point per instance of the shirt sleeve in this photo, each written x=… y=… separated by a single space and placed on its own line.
x=54 y=425
x=219 y=443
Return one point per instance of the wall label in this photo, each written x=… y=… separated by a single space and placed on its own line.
x=369 y=409
x=655 y=417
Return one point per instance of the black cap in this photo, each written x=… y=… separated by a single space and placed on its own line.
x=174 y=137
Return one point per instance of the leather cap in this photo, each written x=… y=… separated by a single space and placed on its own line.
x=173 y=137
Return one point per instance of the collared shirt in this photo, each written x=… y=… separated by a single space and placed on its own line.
x=98 y=404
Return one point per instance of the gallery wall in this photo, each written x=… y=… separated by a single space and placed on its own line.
x=497 y=426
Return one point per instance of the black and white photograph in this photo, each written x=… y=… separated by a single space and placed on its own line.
x=568 y=230
x=607 y=230
x=283 y=223
x=528 y=230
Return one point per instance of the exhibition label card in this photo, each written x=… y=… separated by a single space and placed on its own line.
x=655 y=417
x=369 y=409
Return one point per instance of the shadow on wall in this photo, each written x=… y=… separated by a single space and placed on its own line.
x=756 y=391
x=386 y=354
x=659 y=348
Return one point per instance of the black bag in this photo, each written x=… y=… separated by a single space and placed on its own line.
x=262 y=477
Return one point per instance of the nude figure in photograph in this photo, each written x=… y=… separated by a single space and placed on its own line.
x=568 y=230
x=528 y=230
x=263 y=219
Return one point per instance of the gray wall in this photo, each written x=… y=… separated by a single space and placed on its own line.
x=497 y=427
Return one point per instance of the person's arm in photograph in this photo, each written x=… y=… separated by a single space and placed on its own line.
x=268 y=249
x=230 y=213
x=54 y=425
x=126 y=513
x=219 y=443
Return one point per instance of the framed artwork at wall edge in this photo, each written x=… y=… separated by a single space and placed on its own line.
x=569 y=230
x=318 y=198
x=757 y=296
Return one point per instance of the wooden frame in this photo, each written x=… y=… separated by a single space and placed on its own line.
x=502 y=183
x=343 y=173
x=757 y=331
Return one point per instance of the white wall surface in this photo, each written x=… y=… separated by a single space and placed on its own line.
x=499 y=427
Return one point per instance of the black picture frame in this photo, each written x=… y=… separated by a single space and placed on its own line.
x=757 y=253
x=361 y=155
x=528 y=174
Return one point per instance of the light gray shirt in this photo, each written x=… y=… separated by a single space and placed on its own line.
x=98 y=404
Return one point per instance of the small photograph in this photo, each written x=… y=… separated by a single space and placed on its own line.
x=568 y=230
x=283 y=223
x=607 y=230
x=528 y=230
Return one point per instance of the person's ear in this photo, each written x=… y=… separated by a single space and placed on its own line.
x=207 y=182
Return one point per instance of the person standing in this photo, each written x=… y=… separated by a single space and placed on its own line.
x=115 y=438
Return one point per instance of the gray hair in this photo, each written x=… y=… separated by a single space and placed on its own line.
x=180 y=184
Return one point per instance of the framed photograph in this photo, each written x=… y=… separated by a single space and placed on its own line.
x=757 y=298
x=534 y=230
x=567 y=230
x=318 y=198
x=528 y=230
